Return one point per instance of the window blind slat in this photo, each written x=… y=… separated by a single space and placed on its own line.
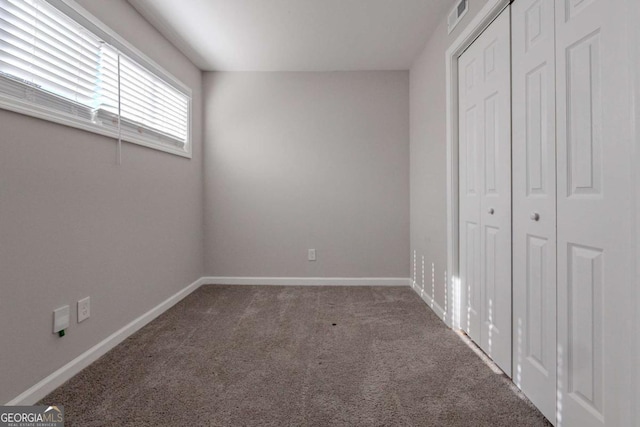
x=48 y=55
x=47 y=46
x=130 y=68
x=81 y=76
x=146 y=88
x=52 y=20
x=28 y=62
x=154 y=120
x=26 y=52
x=145 y=121
x=150 y=101
x=56 y=86
x=134 y=97
x=35 y=25
x=157 y=122
x=19 y=90
x=142 y=82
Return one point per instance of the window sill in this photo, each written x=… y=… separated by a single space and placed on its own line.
x=34 y=110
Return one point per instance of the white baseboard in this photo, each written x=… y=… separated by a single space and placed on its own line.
x=308 y=281
x=430 y=301
x=59 y=377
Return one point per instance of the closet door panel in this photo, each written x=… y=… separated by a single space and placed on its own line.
x=594 y=212
x=496 y=197
x=534 y=202
x=485 y=191
x=471 y=142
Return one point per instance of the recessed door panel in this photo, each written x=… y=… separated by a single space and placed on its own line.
x=491 y=309
x=537 y=351
x=585 y=322
x=584 y=117
x=470 y=272
x=536 y=138
x=534 y=22
x=471 y=151
x=491 y=143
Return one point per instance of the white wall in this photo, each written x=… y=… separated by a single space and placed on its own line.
x=429 y=155
x=74 y=224
x=307 y=160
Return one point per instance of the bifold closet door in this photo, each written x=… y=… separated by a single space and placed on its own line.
x=484 y=87
x=594 y=211
x=534 y=202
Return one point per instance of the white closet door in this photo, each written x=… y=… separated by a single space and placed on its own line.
x=485 y=190
x=594 y=213
x=470 y=154
x=534 y=202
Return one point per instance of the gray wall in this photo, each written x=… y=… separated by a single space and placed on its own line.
x=429 y=155
x=74 y=224
x=633 y=18
x=307 y=160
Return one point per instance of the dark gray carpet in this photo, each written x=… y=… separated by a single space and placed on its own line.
x=294 y=356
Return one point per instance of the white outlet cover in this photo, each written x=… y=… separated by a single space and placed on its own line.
x=312 y=255
x=84 y=309
x=60 y=319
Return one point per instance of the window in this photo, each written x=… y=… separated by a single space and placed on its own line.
x=58 y=63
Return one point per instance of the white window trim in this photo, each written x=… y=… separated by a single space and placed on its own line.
x=29 y=109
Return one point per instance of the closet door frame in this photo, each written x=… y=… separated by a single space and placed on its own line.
x=481 y=21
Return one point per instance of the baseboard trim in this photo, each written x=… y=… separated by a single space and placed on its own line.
x=59 y=377
x=430 y=301
x=308 y=281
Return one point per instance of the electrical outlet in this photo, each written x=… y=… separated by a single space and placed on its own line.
x=84 y=309
x=60 y=319
x=312 y=255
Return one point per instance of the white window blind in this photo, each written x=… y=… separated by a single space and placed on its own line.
x=151 y=104
x=58 y=64
x=46 y=58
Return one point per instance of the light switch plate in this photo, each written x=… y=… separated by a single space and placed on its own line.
x=311 y=255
